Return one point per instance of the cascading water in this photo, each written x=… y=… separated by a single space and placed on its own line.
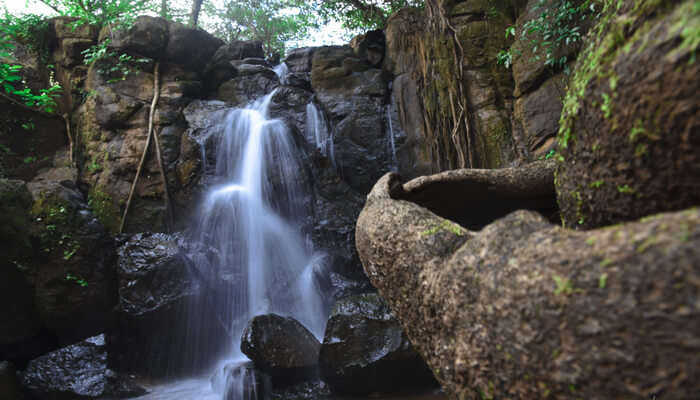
x=317 y=131
x=392 y=139
x=259 y=261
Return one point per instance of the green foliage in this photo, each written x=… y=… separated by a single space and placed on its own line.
x=116 y=67
x=80 y=281
x=17 y=30
x=557 y=26
x=273 y=22
x=362 y=15
x=100 y=12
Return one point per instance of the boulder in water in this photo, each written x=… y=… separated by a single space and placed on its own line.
x=281 y=347
x=77 y=371
x=365 y=350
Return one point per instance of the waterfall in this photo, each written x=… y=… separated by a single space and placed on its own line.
x=251 y=219
x=259 y=261
x=317 y=131
x=392 y=139
x=282 y=70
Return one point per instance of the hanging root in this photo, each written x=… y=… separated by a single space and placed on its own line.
x=156 y=94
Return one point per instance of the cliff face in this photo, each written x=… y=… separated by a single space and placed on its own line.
x=459 y=106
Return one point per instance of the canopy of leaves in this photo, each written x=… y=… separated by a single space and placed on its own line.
x=359 y=15
x=101 y=12
x=273 y=22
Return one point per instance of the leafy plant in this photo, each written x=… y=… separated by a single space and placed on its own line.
x=558 y=24
x=116 y=67
x=80 y=281
x=13 y=30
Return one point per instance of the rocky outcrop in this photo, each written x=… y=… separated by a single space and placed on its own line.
x=527 y=309
x=158 y=291
x=364 y=350
x=78 y=371
x=28 y=140
x=254 y=79
x=352 y=94
x=404 y=32
x=628 y=132
x=281 y=347
x=112 y=120
x=464 y=96
x=73 y=269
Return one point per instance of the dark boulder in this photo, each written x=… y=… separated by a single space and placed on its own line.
x=525 y=298
x=9 y=385
x=629 y=127
x=190 y=47
x=251 y=82
x=365 y=350
x=221 y=69
x=282 y=347
x=146 y=37
x=77 y=371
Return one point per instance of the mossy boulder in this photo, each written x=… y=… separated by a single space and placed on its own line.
x=629 y=130
x=72 y=269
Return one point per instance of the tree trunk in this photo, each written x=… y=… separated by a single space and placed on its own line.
x=194 y=16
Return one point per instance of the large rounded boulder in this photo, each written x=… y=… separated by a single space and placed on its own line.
x=365 y=350
x=281 y=347
x=629 y=131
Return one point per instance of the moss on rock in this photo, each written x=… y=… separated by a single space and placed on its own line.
x=631 y=116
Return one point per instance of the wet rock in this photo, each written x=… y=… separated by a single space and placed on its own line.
x=71 y=372
x=289 y=103
x=241 y=381
x=312 y=390
x=630 y=144
x=352 y=96
x=73 y=268
x=221 y=69
x=77 y=371
x=9 y=385
x=365 y=350
x=156 y=289
x=281 y=347
x=252 y=82
x=524 y=297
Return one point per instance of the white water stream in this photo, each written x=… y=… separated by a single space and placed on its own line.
x=260 y=262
